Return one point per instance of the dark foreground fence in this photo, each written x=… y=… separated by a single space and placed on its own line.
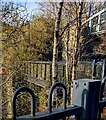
x=86 y=102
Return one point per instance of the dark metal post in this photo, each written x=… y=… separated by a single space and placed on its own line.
x=102 y=95
x=86 y=94
x=57 y=84
x=17 y=92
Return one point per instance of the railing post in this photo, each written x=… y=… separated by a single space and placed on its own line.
x=17 y=92
x=90 y=25
x=86 y=94
x=104 y=69
x=98 y=27
x=94 y=69
x=50 y=74
x=57 y=84
x=36 y=70
x=45 y=71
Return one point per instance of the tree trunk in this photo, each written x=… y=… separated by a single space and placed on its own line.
x=66 y=49
x=9 y=95
x=78 y=33
x=56 y=42
x=67 y=58
x=68 y=81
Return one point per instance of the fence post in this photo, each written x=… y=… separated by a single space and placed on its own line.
x=104 y=69
x=45 y=71
x=36 y=70
x=51 y=74
x=94 y=69
x=86 y=94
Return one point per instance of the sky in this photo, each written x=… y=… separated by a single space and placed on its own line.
x=32 y=6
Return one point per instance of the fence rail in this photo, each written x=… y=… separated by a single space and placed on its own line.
x=40 y=72
x=85 y=99
x=51 y=114
x=97 y=22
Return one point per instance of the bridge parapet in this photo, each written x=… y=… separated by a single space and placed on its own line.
x=97 y=22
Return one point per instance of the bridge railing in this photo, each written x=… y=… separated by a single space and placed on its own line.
x=86 y=104
x=97 y=22
x=40 y=72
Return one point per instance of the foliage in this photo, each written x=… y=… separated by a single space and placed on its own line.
x=23 y=39
x=32 y=39
x=41 y=38
x=13 y=20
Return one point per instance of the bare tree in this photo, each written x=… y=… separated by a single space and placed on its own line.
x=77 y=38
x=56 y=42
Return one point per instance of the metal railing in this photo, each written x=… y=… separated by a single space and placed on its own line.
x=51 y=114
x=86 y=102
x=97 y=22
